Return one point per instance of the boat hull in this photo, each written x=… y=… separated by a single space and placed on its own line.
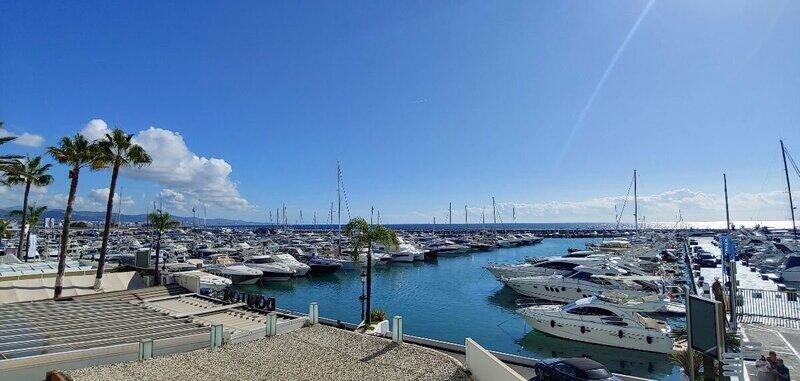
x=594 y=333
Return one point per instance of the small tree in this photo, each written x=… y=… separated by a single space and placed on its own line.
x=34 y=214
x=4 y=227
x=363 y=235
x=30 y=172
x=160 y=221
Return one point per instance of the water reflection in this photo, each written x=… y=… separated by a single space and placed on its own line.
x=505 y=298
x=618 y=360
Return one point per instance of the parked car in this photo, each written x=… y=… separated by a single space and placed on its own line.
x=572 y=369
x=705 y=259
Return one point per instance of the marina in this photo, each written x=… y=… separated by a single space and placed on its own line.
x=416 y=191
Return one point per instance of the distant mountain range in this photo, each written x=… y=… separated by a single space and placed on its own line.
x=88 y=216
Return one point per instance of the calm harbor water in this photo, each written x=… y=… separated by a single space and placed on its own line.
x=454 y=298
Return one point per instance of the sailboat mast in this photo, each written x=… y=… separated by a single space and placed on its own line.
x=339 y=213
x=727 y=212
x=450 y=216
x=494 y=212
x=789 y=188
x=635 y=204
x=466 y=222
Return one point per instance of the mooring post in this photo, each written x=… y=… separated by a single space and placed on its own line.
x=397 y=329
x=313 y=313
x=145 y=349
x=272 y=324
x=216 y=336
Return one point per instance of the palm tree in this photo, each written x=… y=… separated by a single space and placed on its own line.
x=7 y=159
x=28 y=172
x=160 y=221
x=34 y=213
x=363 y=235
x=4 y=227
x=116 y=151
x=77 y=152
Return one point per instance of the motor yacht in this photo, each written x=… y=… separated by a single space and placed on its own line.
x=300 y=268
x=270 y=268
x=652 y=303
x=542 y=266
x=238 y=274
x=595 y=321
x=320 y=266
x=582 y=283
x=224 y=266
x=207 y=282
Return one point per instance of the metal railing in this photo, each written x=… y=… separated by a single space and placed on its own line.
x=768 y=303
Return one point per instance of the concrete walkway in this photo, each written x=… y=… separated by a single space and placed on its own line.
x=784 y=341
x=312 y=353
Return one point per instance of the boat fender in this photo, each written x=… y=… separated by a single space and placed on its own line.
x=649 y=339
x=583 y=329
x=250 y=299
x=271 y=304
x=620 y=334
x=237 y=297
x=578 y=290
x=226 y=294
x=552 y=323
x=563 y=288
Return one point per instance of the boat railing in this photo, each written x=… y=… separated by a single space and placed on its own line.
x=529 y=302
x=784 y=304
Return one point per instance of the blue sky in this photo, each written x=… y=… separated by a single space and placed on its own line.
x=424 y=103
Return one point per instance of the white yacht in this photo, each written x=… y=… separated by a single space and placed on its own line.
x=300 y=268
x=404 y=252
x=238 y=274
x=224 y=266
x=545 y=266
x=594 y=321
x=208 y=283
x=270 y=268
x=583 y=283
x=652 y=303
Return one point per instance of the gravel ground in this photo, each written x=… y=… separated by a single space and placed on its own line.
x=311 y=353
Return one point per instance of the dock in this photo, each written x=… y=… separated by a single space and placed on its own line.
x=764 y=313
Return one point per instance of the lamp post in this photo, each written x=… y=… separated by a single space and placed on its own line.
x=363 y=297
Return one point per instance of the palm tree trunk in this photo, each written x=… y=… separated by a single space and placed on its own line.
x=28 y=241
x=107 y=228
x=21 y=247
x=158 y=257
x=62 y=254
x=367 y=310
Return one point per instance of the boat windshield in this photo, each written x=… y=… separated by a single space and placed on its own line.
x=591 y=311
x=262 y=260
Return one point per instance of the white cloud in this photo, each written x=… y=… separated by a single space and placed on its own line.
x=99 y=197
x=197 y=179
x=95 y=201
x=24 y=139
x=172 y=199
x=694 y=206
x=95 y=129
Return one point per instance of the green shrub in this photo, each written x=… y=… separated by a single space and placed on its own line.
x=377 y=315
